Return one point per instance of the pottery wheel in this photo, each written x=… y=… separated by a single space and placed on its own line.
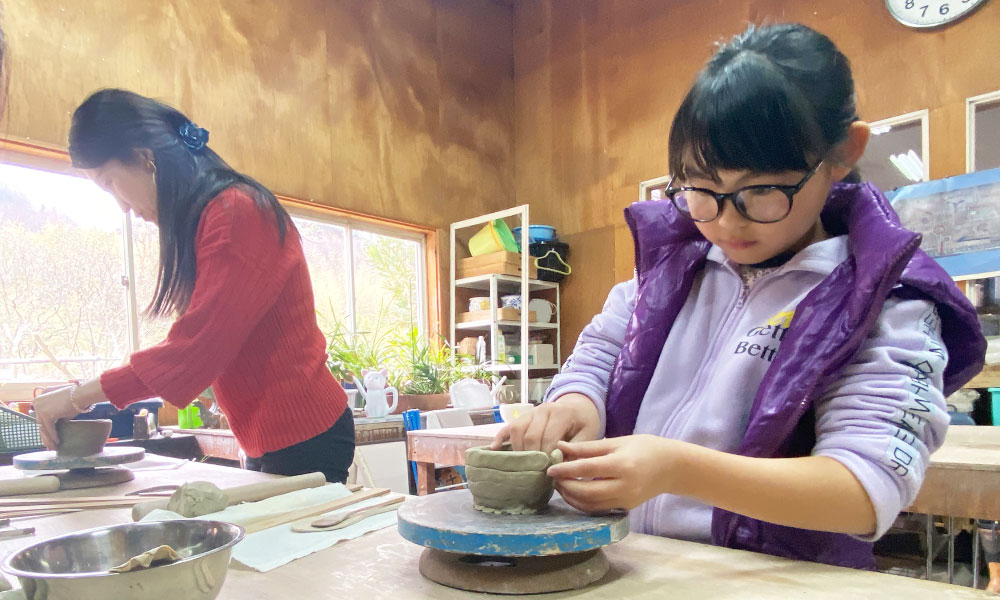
x=555 y=550
x=84 y=471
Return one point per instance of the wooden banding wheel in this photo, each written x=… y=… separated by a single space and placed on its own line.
x=556 y=550
x=85 y=471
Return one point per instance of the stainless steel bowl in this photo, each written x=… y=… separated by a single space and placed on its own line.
x=75 y=566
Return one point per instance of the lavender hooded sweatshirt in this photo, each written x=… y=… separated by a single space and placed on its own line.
x=715 y=357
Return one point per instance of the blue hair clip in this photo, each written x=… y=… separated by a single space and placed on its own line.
x=193 y=137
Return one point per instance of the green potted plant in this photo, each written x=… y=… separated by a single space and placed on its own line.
x=424 y=372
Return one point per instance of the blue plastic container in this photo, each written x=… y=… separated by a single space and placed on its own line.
x=122 y=421
x=995 y=404
x=537 y=233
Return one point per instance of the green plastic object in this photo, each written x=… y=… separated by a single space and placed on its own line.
x=995 y=404
x=189 y=417
x=506 y=236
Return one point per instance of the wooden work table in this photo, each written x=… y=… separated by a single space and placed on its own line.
x=383 y=565
x=963 y=478
x=220 y=443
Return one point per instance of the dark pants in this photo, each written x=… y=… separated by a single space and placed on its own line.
x=330 y=452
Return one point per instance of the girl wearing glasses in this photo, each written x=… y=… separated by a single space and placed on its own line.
x=773 y=378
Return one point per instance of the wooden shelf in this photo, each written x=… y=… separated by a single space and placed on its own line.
x=505 y=283
x=510 y=368
x=485 y=325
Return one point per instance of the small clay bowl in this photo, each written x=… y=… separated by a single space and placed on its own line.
x=82 y=438
x=509 y=482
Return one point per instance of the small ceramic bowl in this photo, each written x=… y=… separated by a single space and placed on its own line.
x=478 y=304
x=512 y=412
x=82 y=438
x=511 y=301
x=510 y=482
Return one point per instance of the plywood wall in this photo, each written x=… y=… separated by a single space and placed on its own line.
x=597 y=83
x=396 y=109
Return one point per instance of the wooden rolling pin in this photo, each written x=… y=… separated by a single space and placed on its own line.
x=42 y=484
x=245 y=493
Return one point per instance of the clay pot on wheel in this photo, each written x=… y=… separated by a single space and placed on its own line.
x=82 y=438
x=510 y=482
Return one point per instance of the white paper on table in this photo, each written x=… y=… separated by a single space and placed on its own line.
x=277 y=546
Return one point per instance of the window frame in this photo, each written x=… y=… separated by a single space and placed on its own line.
x=647 y=187
x=970 y=125
x=56 y=160
x=923 y=117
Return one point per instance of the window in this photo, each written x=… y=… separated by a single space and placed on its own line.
x=652 y=189
x=145 y=259
x=386 y=289
x=61 y=241
x=897 y=152
x=983 y=132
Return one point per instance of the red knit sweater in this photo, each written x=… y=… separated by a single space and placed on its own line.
x=250 y=332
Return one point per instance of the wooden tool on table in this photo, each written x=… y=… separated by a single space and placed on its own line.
x=256 y=524
x=50 y=505
x=348 y=518
x=245 y=493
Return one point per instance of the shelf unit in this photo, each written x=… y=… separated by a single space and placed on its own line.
x=497 y=285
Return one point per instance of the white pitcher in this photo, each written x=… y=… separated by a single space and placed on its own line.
x=375 y=393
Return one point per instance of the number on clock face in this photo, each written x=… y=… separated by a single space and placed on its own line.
x=930 y=13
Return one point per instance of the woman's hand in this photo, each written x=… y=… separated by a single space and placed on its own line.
x=572 y=417
x=616 y=473
x=65 y=403
x=51 y=407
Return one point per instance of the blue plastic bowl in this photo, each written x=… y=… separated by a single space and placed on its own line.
x=538 y=233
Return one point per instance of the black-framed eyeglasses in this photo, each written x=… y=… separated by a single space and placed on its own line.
x=757 y=203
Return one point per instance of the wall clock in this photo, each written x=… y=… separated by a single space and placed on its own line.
x=930 y=13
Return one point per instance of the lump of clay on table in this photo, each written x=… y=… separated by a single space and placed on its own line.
x=510 y=482
x=197 y=498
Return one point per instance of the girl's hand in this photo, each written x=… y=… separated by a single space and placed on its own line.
x=617 y=473
x=51 y=407
x=572 y=417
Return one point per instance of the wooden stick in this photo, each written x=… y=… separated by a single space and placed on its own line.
x=266 y=522
x=52 y=358
x=47 y=513
x=15 y=502
x=5 y=512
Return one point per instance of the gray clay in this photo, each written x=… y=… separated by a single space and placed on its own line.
x=509 y=482
x=81 y=438
x=197 y=498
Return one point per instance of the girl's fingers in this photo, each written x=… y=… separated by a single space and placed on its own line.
x=502 y=436
x=600 y=467
x=515 y=434
x=591 y=496
x=576 y=450
x=535 y=432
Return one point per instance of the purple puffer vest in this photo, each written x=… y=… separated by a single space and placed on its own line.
x=829 y=326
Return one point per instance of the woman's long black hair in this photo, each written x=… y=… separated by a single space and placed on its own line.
x=116 y=124
x=775 y=98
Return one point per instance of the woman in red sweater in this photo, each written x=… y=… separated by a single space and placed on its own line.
x=233 y=272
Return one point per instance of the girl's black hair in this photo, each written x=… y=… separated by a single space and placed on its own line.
x=115 y=124
x=775 y=98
